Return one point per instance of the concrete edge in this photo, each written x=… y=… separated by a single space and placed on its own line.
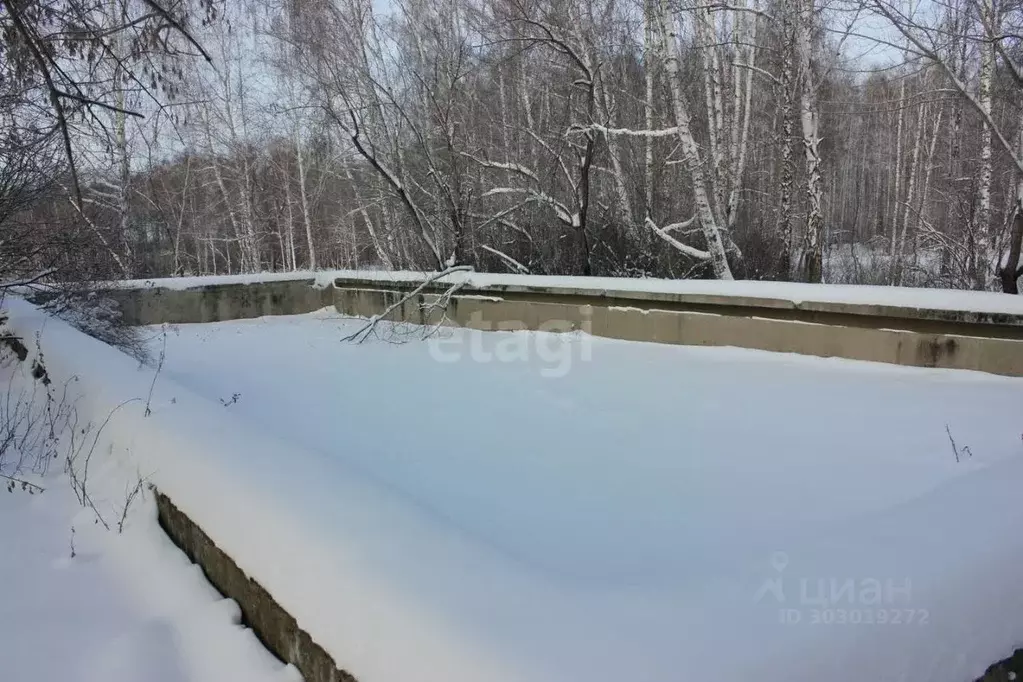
x=275 y=628
x=781 y=306
x=219 y=302
x=836 y=315
x=946 y=345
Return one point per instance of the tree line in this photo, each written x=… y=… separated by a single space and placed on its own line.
x=871 y=141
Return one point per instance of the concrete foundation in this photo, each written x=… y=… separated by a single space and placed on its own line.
x=275 y=628
x=914 y=337
x=901 y=336
x=920 y=337
x=219 y=302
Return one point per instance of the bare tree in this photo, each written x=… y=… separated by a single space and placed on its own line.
x=932 y=42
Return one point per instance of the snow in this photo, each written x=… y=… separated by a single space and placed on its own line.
x=319 y=278
x=82 y=604
x=456 y=511
x=795 y=292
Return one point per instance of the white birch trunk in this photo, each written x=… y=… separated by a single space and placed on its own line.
x=740 y=134
x=649 y=52
x=621 y=183
x=932 y=147
x=303 y=191
x=809 y=119
x=378 y=247
x=894 y=217
x=787 y=174
x=669 y=50
x=898 y=269
x=706 y=35
x=981 y=255
x=291 y=261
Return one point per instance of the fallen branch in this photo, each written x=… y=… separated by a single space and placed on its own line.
x=370 y=327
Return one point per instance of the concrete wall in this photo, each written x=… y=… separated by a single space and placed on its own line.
x=870 y=333
x=876 y=333
x=879 y=333
x=219 y=302
x=275 y=628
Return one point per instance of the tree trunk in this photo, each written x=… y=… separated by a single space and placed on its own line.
x=303 y=191
x=740 y=130
x=809 y=118
x=894 y=217
x=649 y=52
x=897 y=269
x=787 y=174
x=690 y=150
x=1010 y=271
x=706 y=36
x=981 y=255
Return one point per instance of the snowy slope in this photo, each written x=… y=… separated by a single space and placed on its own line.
x=795 y=292
x=129 y=608
x=599 y=510
x=82 y=604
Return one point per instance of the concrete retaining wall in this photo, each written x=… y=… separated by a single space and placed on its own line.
x=902 y=336
x=218 y=302
x=922 y=337
x=917 y=337
x=275 y=628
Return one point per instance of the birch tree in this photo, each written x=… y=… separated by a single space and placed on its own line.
x=809 y=118
x=930 y=42
x=396 y=98
x=564 y=37
x=557 y=136
x=667 y=46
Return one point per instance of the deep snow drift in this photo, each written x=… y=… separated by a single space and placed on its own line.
x=83 y=604
x=128 y=608
x=531 y=507
x=646 y=512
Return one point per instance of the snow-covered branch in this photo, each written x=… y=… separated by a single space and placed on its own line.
x=560 y=210
x=511 y=167
x=515 y=265
x=369 y=328
x=684 y=248
x=664 y=132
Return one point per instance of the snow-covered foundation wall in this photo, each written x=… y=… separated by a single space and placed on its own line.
x=144 y=303
x=275 y=627
x=658 y=512
x=184 y=454
x=923 y=328
x=901 y=335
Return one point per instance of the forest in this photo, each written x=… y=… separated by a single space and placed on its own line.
x=843 y=141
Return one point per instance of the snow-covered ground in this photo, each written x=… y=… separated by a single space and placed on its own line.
x=124 y=609
x=525 y=506
x=84 y=604
x=644 y=511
